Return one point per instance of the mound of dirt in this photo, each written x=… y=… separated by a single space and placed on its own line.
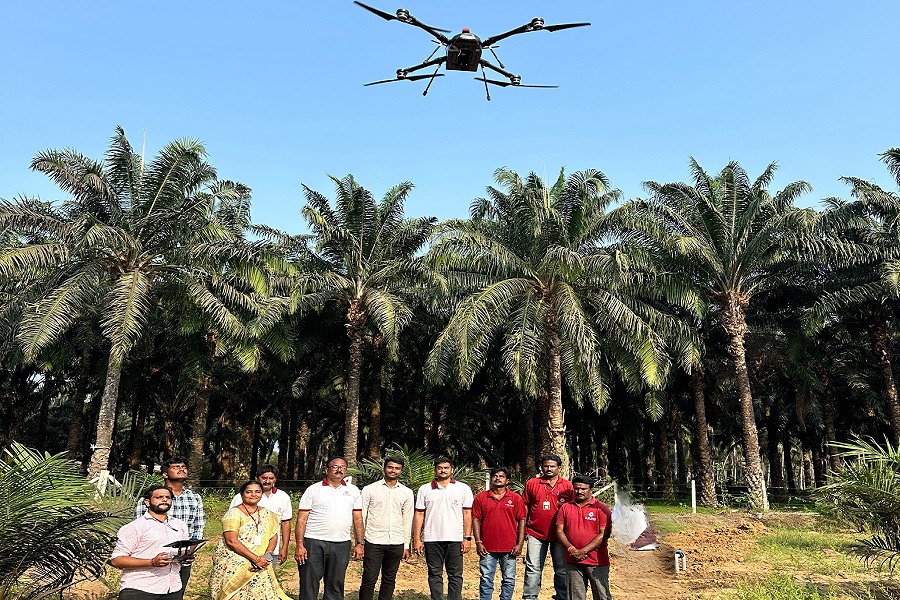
x=709 y=549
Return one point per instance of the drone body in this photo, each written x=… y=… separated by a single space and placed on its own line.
x=463 y=51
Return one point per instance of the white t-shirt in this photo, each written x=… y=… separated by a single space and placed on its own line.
x=277 y=502
x=330 y=510
x=443 y=508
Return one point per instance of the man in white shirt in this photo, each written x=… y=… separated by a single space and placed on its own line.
x=324 y=518
x=278 y=502
x=442 y=529
x=387 y=517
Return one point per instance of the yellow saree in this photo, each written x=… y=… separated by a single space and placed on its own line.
x=232 y=577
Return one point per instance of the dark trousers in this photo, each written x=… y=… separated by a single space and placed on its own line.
x=383 y=558
x=185 y=575
x=441 y=555
x=326 y=560
x=133 y=594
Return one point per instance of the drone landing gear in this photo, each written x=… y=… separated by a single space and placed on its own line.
x=486 y=90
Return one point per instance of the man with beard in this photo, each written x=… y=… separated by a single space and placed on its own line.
x=148 y=569
x=278 y=502
x=583 y=527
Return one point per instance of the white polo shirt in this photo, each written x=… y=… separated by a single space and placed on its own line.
x=277 y=502
x=330 y=510
x=443 y=508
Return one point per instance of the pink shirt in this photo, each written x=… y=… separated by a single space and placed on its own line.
x=144 y=538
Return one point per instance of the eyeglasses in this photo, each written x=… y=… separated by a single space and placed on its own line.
x=337 y=468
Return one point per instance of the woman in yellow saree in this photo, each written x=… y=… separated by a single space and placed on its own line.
x=240 y=570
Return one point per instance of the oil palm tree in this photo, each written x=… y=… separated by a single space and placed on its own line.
x=733 y=239
x=529 y=267
x=365 y=258
x=131 y=235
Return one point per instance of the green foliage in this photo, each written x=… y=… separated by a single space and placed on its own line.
x=866 y=493
x=781 y=587
x=418 y=470
x=53 y=532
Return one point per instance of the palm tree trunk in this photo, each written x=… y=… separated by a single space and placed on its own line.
x=787 y=447
x=705 y=472
x=736 y=328
x=375 y=440
x=284 y=438
x=664 y=465
x=776 y=471
x=878 y=333
x=84 y=378
x=198 y=430
x=555 y=418
x=139 y=420
x=356 y=332
x=106 y=419
x=834 y=461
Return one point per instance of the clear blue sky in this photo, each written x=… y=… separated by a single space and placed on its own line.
x=274 y=90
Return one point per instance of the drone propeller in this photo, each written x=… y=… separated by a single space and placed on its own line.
x=509 y=83
x=406 y=18
x=563 y=26
x=410 y=78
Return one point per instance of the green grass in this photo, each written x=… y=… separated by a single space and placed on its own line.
x=781 y=587
x=811 y=551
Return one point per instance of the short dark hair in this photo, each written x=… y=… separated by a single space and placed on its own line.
x=247 y=484
x=148 y=493
x=262 y=469
x=441 y=460
x=395 y=459
x=175 y=460
x=586 y=479
x=335 y=457
x=555 y=458
x=496 y=470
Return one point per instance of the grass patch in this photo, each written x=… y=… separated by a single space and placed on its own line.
x=823 y=553
x=781 y=587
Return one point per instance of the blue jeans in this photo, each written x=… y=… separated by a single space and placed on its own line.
x=488 y=564
x=535 y=557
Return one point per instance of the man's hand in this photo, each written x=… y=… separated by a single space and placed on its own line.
x=161 y=560
x=405 y=555
x=300 y=554
x=358 y=552
x=479 y=548
x=419 y=547
x=466 y=546
x=578 y=554
x=516 y=551
x=282 y=554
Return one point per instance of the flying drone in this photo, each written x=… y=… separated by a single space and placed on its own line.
x=463 y=51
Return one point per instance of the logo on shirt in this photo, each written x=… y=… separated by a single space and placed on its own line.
x=590 y=516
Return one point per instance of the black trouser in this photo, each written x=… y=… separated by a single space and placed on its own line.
x=439 y=555
x=383 y=558
x=133 y=594
x=326 y=560
x=185 y=575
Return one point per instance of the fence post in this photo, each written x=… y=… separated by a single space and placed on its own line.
x=693 y=496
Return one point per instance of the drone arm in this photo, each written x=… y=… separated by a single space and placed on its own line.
x=428 y=63
x=493 y=40
x=437 y=34
x=486 y=64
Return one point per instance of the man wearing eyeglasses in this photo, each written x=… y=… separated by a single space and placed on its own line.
x=187 y=506
x=324 y=518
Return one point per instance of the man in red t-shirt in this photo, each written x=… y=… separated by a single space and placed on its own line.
x=583 y=527
x=543 y=496
x=498 y=517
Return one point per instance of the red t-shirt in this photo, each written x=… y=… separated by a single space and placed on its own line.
x=543 y=500
x=499 y=519
x=581 y=525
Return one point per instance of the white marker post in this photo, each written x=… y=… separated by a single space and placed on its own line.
x=693 y=496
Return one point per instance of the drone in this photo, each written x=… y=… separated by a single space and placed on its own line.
x=464 y=51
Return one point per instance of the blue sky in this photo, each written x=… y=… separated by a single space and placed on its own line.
x=275 y=92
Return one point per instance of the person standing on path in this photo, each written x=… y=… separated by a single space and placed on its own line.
x=543 y=496
x=498 y=520
x=324 y=518
x=278 y=502
x=187 y=506
x=442 y=529
x=149 y=571
x=386 y=517
x=583 y=527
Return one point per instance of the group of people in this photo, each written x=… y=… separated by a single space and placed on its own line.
x=381 y=524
